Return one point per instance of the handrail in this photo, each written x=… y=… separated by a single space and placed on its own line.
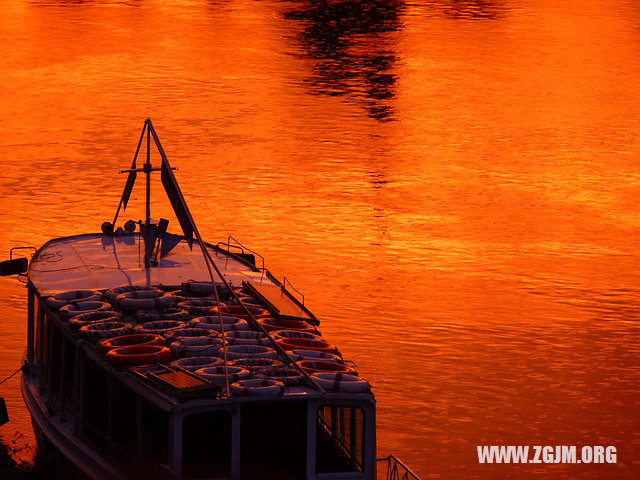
x=396 y=470
x=242 y=248
x=284 y=285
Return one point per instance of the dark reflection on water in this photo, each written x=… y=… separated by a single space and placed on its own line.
x=472 y=9
x=351 y=55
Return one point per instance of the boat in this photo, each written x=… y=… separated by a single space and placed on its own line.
x=153 y=354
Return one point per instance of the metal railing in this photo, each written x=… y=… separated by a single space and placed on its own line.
x=395 y=470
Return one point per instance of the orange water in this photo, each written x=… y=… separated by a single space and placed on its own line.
x=452 y=184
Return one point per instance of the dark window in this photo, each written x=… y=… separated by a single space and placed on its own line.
x=123 y=434
x=68 y=381
x=39 y=327
x=273 y=439
x=206 y=445
x=54 y=363
x=339 y=439
x=44 y=347
x=95 y=401
x=154 y=432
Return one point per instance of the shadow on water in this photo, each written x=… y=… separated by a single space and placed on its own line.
x=351 y=54
x=10 y=469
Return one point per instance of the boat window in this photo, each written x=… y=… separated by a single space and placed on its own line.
x=273 y=439
x=95 y=403
x=154 y=432
x=339 y=439
x=43 y=346
x=55 y=357
x=206 y=445
x=68 y=381
x=38 y=317
x=123 y=434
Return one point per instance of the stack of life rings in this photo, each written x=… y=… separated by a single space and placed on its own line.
x=194 y=330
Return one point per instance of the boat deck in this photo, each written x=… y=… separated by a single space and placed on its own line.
x=100 y=262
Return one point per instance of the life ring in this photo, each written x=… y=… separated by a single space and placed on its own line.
x=248 y=300
x=100 y=330
x=286 y=334
x=198 y=289
x=250 y=351
x=257 y=387
x=171 y=313
x=139 y=354
x=95 y=316
x=341 y=382
x=130 y=340
x=56 y=302
x=112 y=294
x=144 y=300
x=239 y=311
x=196 y=363
x=314 y=366
x=196 y=346
x=171 y=335
x=271 y=324
x=229 y=324
x=218 y=375
x=247 y=337
x=78 y=308
x=299 y=354
x=198 y=306
x=288 y=376
x=159 y=327
x=256 y=365
x=319 y=344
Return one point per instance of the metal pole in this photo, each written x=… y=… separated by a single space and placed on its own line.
x=147 y=169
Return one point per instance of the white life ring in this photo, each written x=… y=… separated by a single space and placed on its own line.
x=96 y=316
x=341 y=382
x=229 y=324
x=184 y=333
x=218 y=375
x=78 y=308
x=112 y=294
x=196 y=346
x=100 y=330
x=257 y=387
x=250 y=351
x=196 y=363
x=159 y=327
x=144 y=300
x=56 y=302
x=247 y=337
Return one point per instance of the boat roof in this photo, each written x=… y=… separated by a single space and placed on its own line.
x=96 y=261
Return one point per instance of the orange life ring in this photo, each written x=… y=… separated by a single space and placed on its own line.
x=238 y=311
x=314 y=366
x=112 y=294
x=198 y=306
x=271 y=324
x=319 y=344
x=139 y=354
x=130 y=340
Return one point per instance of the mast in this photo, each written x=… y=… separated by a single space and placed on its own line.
x=148 y=243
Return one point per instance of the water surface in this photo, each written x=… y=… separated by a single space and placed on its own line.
x=452 y=184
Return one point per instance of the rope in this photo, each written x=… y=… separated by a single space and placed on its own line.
x=10 y=375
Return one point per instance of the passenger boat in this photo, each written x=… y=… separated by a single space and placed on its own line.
x=148 y=358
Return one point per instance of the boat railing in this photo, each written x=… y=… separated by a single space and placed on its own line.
x=395 y=469
x=243 y=249
x=284 y=285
